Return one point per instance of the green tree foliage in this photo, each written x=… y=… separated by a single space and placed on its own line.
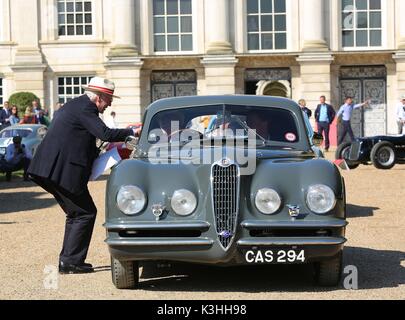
x=22 y=100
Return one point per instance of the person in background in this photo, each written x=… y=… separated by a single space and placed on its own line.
x=29 y=117
x=303 y=104
x=17 y=157
x=110 y=121
x=5 y=114
x=346 y=112
x=400 y=115
x=14 y=119
x=324 y=116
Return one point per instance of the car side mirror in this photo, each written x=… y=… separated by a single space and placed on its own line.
x=131 y=142
x=317 y=139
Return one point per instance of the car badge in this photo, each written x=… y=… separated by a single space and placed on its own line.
x=294 y=211
x=226 y=162
x=158 y=210
x=226 y=234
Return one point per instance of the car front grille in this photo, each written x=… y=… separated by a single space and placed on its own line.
x=225 y=191
x=355 y=151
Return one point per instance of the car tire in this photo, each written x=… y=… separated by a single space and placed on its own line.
x=125 y=274
x=329 y=273
x=342 y=152
x=383 y=155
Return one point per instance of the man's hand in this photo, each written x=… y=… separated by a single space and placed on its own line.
x=137 y=132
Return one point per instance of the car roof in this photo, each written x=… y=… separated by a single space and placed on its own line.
x=189 y=101
x=24 y=126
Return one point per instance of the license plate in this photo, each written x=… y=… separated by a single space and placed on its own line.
x=275 y=256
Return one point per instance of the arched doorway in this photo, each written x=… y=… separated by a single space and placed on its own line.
x=279 y=88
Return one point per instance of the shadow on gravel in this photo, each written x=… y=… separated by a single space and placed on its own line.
x=23 y=201
x=16 y=183
x=376 y=269
x=354 y=211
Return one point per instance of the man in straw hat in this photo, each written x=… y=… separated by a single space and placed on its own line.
x=63 y=163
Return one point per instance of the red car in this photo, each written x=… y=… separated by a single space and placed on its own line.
x=122 y=149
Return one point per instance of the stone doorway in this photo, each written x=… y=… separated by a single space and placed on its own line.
x=280 y=88
x=167 y=84
x=274 y=82
x=361 y=83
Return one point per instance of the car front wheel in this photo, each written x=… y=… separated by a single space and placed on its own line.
x=342 y=152
x=125 y=274
x=329 y=273
x=383 y=155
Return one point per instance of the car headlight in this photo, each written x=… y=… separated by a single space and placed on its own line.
x=267 y=201
x=131 y=200
x=183 y=202
x=320 y=199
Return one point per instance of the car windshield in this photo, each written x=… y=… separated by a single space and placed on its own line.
x=266 y=125
x=10 y=133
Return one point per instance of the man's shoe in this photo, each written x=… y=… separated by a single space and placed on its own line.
x=75 y=269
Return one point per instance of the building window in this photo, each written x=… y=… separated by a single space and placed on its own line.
x=266 y=24
x=1 y=91
x=71 y=87
x=172 y=25
x=361 y=23
x=75 y=18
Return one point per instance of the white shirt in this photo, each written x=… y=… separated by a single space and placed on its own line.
x=10 y=151
x=400 y=112
x=110 y=122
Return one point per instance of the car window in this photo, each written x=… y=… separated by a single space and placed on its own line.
x=270 y=124
x=10 y=133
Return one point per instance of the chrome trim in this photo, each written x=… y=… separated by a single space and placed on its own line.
x=198 y=225
x=161 y=242
x=299 y=241
x=226 y=163
x=296 y=224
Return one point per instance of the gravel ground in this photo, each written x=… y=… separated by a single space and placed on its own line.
x=32 y=226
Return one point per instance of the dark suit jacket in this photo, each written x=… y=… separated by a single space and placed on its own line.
x=331 y=113
x=67 y=153
x=3 y=116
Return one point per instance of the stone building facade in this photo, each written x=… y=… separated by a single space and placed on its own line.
x=158 y=48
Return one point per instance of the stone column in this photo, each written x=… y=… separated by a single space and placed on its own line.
x=124 y=66
x=126 y=74
x=28 y=66
x=400 y=12
x=315 y=74
x=124 y=29
x=399 y=58
x=312 y=25
x=220 y=74
x=217 y=27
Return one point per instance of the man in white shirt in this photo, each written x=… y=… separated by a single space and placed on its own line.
x=110 y=121
x=17 y=157
x=400 y=115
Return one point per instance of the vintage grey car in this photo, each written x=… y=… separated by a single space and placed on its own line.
x=32 y=135
x=252 y=188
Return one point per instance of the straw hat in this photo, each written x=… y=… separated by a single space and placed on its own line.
x=101 y=85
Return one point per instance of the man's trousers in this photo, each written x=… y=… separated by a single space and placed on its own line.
x=80 y=213
x=347 y=129
x=324 y=129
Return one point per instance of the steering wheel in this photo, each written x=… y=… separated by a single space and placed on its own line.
x=188 y=132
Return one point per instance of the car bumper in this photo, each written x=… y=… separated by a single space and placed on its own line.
x=206 y=249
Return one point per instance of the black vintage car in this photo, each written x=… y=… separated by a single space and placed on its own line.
x=381 y=151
